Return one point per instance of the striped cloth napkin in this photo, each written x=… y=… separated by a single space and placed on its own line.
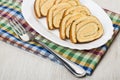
x=87 y=59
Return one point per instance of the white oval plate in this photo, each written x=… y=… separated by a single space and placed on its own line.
x=41 y=26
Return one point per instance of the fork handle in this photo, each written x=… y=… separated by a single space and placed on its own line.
x=72 y=67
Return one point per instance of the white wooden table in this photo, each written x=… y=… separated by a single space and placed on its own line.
x=16 y=64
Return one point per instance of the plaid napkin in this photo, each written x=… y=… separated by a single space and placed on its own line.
x=87 y=59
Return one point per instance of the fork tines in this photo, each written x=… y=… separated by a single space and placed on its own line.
x=17 y=26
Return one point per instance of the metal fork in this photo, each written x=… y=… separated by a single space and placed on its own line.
x=27 y=36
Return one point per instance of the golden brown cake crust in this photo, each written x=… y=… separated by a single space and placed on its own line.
x=80 y=8
x=71 y=15
x=86 y=30
x=66 y=23
x=36 y=8
x=56 y=13
x=46 y=6
x=50 y=13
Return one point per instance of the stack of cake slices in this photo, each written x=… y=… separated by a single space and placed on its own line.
x=73 y=20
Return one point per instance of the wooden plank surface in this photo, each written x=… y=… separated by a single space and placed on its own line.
x=16 y=64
